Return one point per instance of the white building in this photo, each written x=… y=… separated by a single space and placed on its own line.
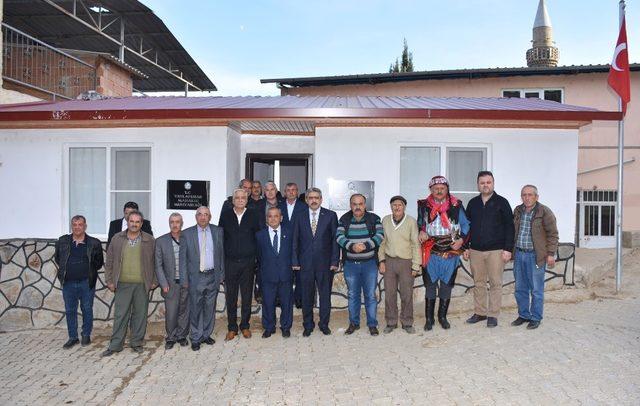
x=89 y=157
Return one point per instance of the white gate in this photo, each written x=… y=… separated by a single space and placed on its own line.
x=596 y=218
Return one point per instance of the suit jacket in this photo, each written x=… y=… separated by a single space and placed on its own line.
x=298 y=208
x=116 y=226
x=261 y=208
x=239 y=239
x=319 y=252
x=165 y=260
x=190 y=253
x=275 y=267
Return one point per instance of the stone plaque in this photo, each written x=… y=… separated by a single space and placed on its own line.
x=187 y=194
x=340 y=192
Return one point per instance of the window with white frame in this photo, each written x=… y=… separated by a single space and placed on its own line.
x=418 y=164
x=551 y=94
x=103 y=178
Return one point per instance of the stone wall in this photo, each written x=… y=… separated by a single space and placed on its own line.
x=31 y=295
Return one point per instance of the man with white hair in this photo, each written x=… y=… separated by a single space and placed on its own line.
x=536 y=243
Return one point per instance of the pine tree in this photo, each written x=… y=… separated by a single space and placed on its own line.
x=405 y=64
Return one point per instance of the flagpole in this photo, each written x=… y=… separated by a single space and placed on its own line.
x=620 y=183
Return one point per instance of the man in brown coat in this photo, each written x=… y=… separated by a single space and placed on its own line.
x=536 y=243
x=130 y=274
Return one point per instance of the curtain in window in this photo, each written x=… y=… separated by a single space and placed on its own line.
x=88 y=187
x=417 y=166
x=131 y=180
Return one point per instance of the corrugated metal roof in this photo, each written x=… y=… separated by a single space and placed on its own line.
x=299 y=102
x=44 y=22
x=301 y=108
x=374 y=78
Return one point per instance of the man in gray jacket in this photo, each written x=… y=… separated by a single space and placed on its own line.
x=202 y=271
x=176 y=297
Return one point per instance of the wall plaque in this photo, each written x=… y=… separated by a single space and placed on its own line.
x=340 y=192
x=187 y=194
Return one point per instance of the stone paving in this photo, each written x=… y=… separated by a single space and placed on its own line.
x=583 y=353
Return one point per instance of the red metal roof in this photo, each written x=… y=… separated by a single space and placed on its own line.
x=309 y=107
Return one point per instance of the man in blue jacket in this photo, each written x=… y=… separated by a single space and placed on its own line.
x=315 y=258
x=291 y=208
x=274 y=259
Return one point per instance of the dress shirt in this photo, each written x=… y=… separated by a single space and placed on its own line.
x=208 y=255
x=290 y=207
x=239 y=216
x=311 y=215
x=271 y=235
x=125 y=225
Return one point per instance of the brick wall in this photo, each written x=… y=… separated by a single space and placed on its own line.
x=112 y=80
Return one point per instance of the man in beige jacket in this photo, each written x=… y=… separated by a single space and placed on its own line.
x=130 y=274
x=400 y=262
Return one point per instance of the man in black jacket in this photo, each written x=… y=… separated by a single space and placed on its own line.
x=79 y=257
x=240 y=226
x=120 y=224
x=491 y=243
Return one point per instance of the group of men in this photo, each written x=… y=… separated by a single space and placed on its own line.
x=277 y=242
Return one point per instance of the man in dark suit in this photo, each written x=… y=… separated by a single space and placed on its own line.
x=245 y=184
x=120 y=224
x=291 y=208
x=315 y=259
x=274 y=259
x=240 y=226
x=202 y=271
x=270 y=200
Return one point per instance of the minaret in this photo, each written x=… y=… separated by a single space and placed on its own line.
x=543 y=53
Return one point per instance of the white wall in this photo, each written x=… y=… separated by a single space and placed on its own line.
x=234 y=163
x=32 y=172
x=546 y=158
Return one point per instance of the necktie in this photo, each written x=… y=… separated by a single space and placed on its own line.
x=203 y=250
x=275 y=240
x=314 y=223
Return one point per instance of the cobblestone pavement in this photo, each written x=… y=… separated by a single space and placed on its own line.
x=584 y=353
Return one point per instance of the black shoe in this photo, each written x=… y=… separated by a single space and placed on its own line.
x=533 y=324
x=137 y=349
x=492 y=322
x=325 y=330
x=195 y=346
x=70 y=343
x=298 y=305
x=107 y=353
x=286 y=333
x=183 y=342
x=373 y=331
x=475 y=318
x=351 y=329
x=429 y=308
x=86 y=340
x=169 y=345
x=307 y=332
x=266 y=334
x=443 y=307
x=519 y=321
x=209 y=341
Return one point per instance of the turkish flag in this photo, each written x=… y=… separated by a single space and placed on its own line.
x=618 y=78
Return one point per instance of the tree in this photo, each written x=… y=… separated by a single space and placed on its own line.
x=405 y=63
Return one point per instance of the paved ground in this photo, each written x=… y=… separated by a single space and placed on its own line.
x=584 y=353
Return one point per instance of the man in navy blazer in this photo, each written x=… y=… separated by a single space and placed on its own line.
x=291 y=208
x=274 y=261
x=315 y=258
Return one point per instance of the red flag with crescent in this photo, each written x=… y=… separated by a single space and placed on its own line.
x=618 y=78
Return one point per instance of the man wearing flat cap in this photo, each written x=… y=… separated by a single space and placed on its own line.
x=443 y=228
x=399 y=257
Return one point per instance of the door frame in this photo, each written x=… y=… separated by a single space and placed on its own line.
x=252 y=157
x=594 y=241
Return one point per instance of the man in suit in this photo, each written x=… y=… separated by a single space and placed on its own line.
x=291 y=208
x=202 y=271
x=176 y=297
x=120 y=224
x=240 y=226
x=274 y=259
x=315 y=259
x=256 y=191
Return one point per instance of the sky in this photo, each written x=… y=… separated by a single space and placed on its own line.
x=239 y=42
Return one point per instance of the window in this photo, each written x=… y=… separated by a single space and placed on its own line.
x=463 y=165
x=459 y=164
x=555 y=95
x=103 y=179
